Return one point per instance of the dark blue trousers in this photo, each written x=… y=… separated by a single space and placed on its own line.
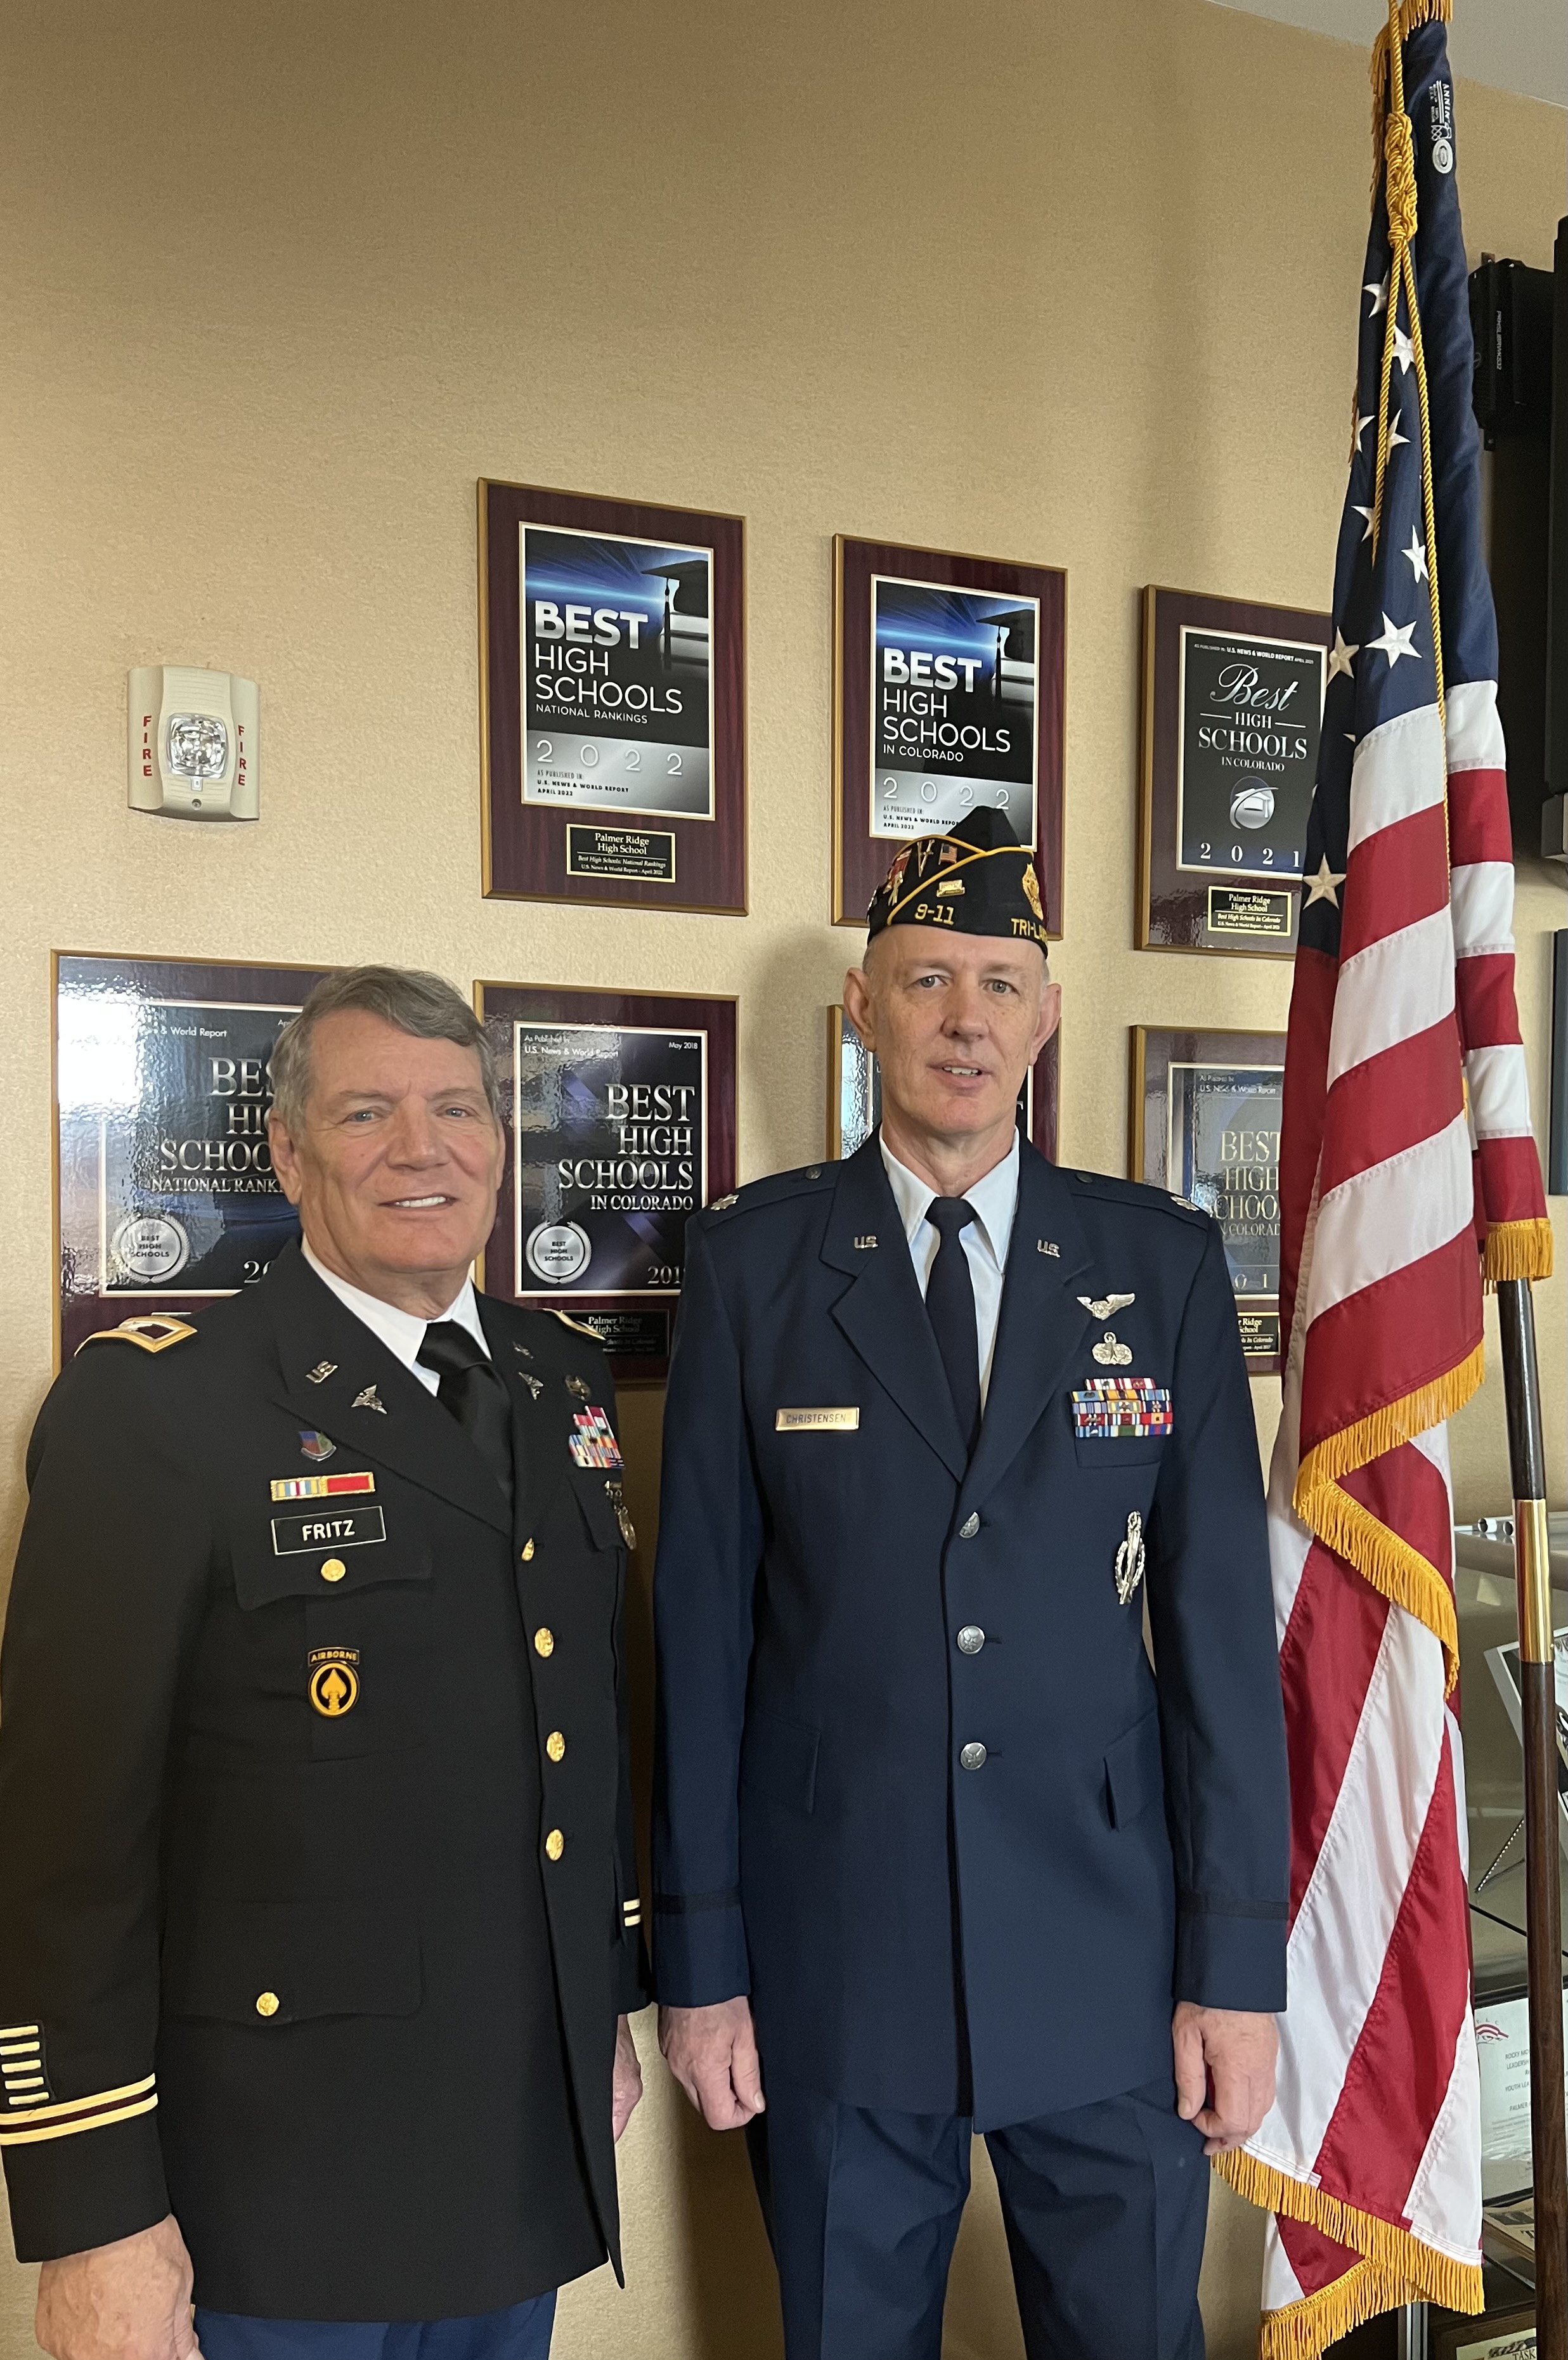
x=1105 y=2208
x=522 y=2333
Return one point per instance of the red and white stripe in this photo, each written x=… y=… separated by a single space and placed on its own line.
x=1379 y=2099
x=1378 y=2106
x=1506 y=1170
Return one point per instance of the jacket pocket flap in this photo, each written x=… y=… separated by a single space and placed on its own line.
x=598 y=1509
x=779 y=1759
x=282 y=1961
x=269 y=1565
x=1135 y=1771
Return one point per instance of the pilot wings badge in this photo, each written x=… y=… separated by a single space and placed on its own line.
x=1100 y=1306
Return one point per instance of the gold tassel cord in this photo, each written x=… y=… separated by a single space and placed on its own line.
x=1400 y=2266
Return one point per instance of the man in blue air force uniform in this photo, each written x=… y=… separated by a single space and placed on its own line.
x=936 y=1850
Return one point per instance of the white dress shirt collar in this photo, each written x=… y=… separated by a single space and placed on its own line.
x=402 y=1332
x=995 y=1199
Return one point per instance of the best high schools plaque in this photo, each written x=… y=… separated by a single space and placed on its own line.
x=1206 y=1110
x=620 y=1111
x=947 y=694
x=1231 y=709
x=613 y=701
x=167 y=1195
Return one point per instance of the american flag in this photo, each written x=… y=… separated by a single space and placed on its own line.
x=1409 y=1177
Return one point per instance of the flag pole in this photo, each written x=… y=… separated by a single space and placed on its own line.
x=1538 y=1707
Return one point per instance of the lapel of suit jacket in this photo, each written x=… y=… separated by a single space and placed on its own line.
x=365 y=1397
x=540 y=1418
x=881 y=1312
x=1041 y=1323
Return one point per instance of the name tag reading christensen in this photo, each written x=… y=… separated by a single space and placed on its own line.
x=346 y=1528
x=816 y=1421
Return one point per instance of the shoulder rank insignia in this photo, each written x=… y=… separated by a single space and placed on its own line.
x=723 y=1204
x=1187 y=1201
x=567 y=1321
x=1100 y=1306
x=152 y=1334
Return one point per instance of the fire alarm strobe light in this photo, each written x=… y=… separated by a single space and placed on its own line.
x=193 y=743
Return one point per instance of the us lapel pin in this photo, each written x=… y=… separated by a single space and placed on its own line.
x=1048 y=1246
x=321 y=1372
x=865 y=1244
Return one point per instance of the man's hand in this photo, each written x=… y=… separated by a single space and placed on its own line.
x=130 y=2300
x=625 y=2090
x=712 y=2051
x=1223 y=2052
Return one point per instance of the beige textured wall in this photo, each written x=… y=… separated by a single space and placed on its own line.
x=1063 y=281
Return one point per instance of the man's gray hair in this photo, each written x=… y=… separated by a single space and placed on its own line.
x=425 y=1006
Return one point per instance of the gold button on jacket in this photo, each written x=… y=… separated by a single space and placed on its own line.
x=544 y=1641
x=267 y=2003
x=554 y=1844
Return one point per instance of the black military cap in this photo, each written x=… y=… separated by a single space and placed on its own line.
x=977 y=878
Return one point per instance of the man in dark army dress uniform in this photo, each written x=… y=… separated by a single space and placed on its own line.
x=317 y=1906
x=936 y=1849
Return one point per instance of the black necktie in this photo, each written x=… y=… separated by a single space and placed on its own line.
x=474 y=1395
x=949 y=1302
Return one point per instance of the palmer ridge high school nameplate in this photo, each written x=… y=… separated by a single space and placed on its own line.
x=167 y=1194
x=1231 y=709
x=947 y=693
x=621 y=1114
x=613 y=693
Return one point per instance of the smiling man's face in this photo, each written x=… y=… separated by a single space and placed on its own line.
x=956 y=1021
x=399 y=1161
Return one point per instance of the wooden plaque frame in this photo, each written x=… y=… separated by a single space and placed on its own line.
x=529 y=851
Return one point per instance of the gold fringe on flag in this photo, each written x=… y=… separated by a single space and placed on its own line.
x=1517 y=1250
x=1395 y=2267
x=1384 y=1557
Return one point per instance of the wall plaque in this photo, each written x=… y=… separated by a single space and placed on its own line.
x=621 y=1124
x=948 y=692
x=612 y=692
x=165 y=1196
x=1232 y=708
x=1204 y=1123
x=855 y=1095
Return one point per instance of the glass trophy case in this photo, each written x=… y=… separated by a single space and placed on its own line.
x=1494 y=1773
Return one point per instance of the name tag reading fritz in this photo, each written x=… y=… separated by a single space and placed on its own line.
x=816 y=1421
x=335 y=1529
